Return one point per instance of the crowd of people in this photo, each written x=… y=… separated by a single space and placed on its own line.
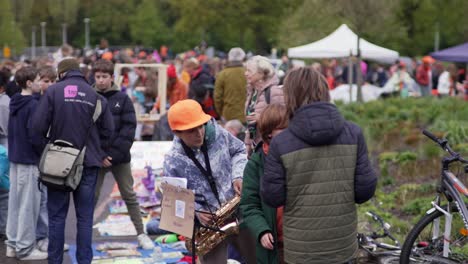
x=238 y=128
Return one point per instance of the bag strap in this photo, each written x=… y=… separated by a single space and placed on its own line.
x=206 y=172
x=96 y=114
x=268 y=94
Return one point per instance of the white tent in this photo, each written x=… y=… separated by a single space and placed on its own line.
x=339 y=44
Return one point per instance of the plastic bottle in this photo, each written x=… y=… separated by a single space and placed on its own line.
x=158 y=256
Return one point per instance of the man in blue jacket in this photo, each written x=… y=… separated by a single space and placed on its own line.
x=67 y=108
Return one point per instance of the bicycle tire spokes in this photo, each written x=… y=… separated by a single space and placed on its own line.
x=448 y=246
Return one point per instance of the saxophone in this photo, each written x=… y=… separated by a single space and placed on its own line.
x=225 y=220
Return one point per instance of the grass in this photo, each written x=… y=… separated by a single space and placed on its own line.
x=407 y=162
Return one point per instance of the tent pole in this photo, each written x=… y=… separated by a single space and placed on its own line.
x=350 y=75
x=359 y=72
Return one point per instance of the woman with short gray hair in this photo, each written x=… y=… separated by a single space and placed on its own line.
x=262 y=89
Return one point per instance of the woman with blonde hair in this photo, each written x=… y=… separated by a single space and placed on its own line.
x=262 y=89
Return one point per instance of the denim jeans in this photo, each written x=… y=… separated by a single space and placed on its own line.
x=42 y=229
x=3 y=210
x=24 y=203
x=57 y=205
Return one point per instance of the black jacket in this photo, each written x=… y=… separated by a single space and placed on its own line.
x=124 y=117
x=200 y=84
x=67 y=108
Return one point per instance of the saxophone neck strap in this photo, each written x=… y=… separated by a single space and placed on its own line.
x=206 y=172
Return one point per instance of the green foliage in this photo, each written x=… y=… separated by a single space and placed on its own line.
x=10 y=33
x=404 y=25
x=147 y=27
x=456 y=131
x=409 y=162
x=409 y=25
x=417 y=206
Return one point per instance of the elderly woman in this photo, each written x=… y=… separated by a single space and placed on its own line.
x=262 y=89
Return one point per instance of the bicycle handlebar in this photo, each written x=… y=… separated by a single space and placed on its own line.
x=443 y=143
x=431 y=136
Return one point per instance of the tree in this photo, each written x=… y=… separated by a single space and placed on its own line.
x=147 y=26
x=10 y=32
x=250 y=24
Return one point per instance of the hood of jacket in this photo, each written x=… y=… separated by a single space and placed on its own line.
x=317 y=123
x=114 y=88
x=18 y=101
x=73 y=73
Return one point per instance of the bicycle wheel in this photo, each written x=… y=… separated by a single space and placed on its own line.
x=421 y=247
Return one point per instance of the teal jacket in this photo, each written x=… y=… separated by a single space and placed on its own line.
x=257 y=216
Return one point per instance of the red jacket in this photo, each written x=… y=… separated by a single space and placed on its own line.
x=422 y=75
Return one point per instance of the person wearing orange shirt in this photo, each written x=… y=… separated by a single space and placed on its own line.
x=176 y=90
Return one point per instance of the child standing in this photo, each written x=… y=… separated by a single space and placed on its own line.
x=23 y=152
x=118 y=159
x=47 y=77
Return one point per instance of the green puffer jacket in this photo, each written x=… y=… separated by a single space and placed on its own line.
x=257 y=216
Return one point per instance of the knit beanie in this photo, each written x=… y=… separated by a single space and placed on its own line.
x=67 y=64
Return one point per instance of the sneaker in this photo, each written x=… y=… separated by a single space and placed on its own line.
x=43 y=244
x=145 y=242
x=36 y=254
x=10 y=252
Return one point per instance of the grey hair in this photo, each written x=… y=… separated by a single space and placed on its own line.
x=235 y=124
x=236 y=54
x=263 y=65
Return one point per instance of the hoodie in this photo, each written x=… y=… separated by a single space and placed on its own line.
x=123 y=114
x=24 y=146
x=318 y=168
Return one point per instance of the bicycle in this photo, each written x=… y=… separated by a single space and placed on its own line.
x=383 y=253
x=441 y=236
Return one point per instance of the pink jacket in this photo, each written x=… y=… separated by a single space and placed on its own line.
x=276 y=96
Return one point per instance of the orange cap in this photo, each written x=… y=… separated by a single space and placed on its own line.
x=107 y=55
x=186 y=114
x=428 y=59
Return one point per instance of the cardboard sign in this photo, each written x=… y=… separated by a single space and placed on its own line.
x=177 y=210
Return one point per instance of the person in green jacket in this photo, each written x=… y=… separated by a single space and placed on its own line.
x=264 y=222
x=231 y=88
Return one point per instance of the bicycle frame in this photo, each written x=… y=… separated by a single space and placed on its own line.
x=452 y=188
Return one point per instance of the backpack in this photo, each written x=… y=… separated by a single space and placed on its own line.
x=61 y=163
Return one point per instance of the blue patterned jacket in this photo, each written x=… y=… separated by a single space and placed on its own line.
x=227 y=156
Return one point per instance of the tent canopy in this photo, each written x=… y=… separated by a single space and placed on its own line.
x=339 y=44
x=455 y=54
